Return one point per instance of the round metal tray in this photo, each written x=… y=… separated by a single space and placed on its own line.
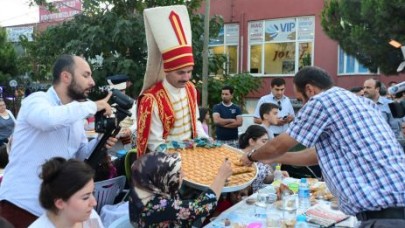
x=225 y=189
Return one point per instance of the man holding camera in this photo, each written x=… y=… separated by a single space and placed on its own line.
x=49 y=124
x=167 y=106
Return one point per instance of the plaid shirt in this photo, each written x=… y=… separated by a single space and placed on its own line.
x=361 y=160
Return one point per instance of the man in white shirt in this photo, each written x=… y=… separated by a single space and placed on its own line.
x=49 y=124
x=286 y=111
x=372 y=89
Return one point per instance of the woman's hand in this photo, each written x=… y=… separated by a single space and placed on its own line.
x=225 y=170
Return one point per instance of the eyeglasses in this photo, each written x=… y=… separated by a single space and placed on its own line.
x=279 y=105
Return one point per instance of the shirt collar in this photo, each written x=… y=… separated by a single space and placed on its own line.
x=274 y=98
x=226 y=104
x=381 y=100
x=51 y=91
x=171 y=88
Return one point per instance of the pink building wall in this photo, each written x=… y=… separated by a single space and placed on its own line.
x=325 y=49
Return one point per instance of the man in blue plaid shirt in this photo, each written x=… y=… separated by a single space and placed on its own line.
x=360 y=157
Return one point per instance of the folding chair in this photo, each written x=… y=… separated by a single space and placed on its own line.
x=106 y=191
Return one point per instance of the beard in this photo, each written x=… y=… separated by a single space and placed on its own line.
x=75 y=92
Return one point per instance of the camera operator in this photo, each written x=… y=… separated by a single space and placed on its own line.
x=49 y=124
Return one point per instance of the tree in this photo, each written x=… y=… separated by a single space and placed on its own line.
x=112 y=29
x=363 y=29
x=243 y=84
x=8 y=59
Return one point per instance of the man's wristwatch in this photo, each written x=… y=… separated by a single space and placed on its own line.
x=249 y=156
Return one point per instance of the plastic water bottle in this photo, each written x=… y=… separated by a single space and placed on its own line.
x=304 y=202
x=301 y=222
x=278 y=176
x=127 y=147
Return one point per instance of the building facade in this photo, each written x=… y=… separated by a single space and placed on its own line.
x=274 y=38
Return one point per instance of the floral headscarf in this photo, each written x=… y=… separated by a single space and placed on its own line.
x=156 y=174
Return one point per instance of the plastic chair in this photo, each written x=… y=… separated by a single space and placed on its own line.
x=122 y=222
x=106 y=191
x=130 y=157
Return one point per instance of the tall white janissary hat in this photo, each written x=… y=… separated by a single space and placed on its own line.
x=168 y=36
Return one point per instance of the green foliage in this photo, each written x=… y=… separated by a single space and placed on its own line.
x=114 y=29
x=8 y=59
x=243 y=84
x=363 y=29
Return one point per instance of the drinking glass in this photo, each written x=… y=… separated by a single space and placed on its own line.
x=261 y=198
x=273 y=220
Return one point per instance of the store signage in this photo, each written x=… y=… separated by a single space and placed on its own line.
x=256 y=31
x=280 y=30
x=65 y=10
x=232 y=34
x=14 y=33
x=306 y=28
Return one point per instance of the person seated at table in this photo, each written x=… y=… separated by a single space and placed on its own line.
x=254 y=137
x=155 y=201
x=66 y=193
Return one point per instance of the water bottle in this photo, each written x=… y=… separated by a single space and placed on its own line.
x=304 y=202
x=278 y=176
x=301 y=222
x=127 y=147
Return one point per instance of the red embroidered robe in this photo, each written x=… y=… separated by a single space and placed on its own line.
x=159 y=96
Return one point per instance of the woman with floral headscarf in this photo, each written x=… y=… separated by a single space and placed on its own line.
x=155 y=201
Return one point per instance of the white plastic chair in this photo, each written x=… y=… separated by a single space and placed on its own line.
x=106 y=191
x=122 y=222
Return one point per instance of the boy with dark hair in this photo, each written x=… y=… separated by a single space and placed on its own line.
x=268 y=115
x=276 y=96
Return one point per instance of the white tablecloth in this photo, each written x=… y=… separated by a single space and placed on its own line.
x=243 y=214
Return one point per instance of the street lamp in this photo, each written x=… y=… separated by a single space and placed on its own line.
x=13 y=84
x=397 y=44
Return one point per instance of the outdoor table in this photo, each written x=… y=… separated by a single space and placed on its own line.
x=247 y=215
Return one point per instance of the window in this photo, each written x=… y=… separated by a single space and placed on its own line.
x=349 y=64
x=227 y=43
x=281 y=46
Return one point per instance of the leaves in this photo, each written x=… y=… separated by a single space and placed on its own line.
x=110 y=34
x=243 y=84
x=363 y=29
x=8 y=59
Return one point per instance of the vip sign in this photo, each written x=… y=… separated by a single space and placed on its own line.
x=280 y=30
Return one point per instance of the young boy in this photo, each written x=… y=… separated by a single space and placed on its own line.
x=268 y=114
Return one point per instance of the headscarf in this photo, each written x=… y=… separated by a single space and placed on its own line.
x=156 y=173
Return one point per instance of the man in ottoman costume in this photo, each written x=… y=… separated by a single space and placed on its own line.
x=167 y=106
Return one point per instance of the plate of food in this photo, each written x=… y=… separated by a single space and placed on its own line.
x=322 y=193
x=201 y=165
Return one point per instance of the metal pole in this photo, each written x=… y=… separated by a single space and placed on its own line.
x=205 y=54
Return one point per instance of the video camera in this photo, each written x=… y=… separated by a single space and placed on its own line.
x=122 y=103
x=397 y=108
x=109 y=126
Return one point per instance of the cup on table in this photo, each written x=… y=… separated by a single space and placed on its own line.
x=273 y=220
x=287 y=223
x=289 y=202
x=266 y=196
x=261 y=198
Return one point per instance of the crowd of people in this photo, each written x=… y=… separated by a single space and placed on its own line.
x=352 y=135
